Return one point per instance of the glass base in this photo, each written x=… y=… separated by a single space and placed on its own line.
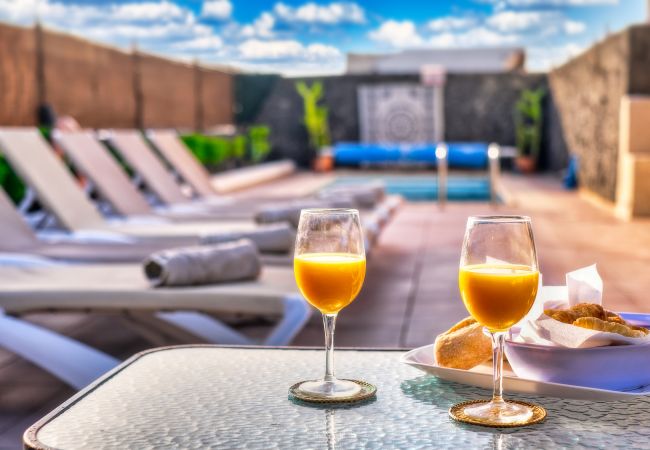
x=332 y=389
x=498 y=414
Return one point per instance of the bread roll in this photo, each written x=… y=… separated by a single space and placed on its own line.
x=463 y=346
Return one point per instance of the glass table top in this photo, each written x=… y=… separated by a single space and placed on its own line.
x=201 y=397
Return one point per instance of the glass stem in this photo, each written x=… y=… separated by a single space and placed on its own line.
x=498 y=339
x=329 y=322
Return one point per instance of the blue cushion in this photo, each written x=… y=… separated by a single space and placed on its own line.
x=460 y=154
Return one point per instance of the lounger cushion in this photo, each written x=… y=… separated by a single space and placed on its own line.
x=274 y=238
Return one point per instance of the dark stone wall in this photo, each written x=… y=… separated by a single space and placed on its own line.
x=481 y=107
x=588 y=91
x=639 y=74
x=478 y=107
x=282 y=111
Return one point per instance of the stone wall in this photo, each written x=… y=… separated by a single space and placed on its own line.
x=103 y=87
x=588 y=92
x=478 y=107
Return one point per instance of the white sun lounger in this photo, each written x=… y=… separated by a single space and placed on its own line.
x=133 y=148
x=93 y=160
x=38 y=284
x=58 y=192
x=194 y=174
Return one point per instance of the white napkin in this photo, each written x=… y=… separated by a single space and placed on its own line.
x=583 y=286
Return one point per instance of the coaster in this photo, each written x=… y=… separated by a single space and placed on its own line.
x=367 y=391
x=456 y=412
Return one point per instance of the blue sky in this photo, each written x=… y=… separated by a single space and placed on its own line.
x=298 y=37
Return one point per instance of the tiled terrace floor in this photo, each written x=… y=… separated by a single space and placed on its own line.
x=410 y=293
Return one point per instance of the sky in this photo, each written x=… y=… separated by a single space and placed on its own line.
x=304 y=37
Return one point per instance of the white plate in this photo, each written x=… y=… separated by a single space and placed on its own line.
x=481 y=376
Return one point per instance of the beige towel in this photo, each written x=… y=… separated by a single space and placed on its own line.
x=231 y=261
x=290 y=211
x=274 y=238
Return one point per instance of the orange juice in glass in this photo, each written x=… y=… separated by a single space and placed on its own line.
x=330 y=281
x=498 y=295
x=329 y=266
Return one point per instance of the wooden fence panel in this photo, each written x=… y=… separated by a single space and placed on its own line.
x=168 y=92
x=18 y=84
x=90 y=82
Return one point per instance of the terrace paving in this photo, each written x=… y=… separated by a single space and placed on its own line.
x=410 y=293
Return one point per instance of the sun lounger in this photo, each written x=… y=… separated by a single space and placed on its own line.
x=160 y=313
x=94 y=161
x=58 y=192
x=194 y=174
x=89 y=156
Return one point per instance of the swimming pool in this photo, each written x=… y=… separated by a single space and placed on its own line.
x=425 y=188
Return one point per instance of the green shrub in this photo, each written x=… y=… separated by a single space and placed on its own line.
x=260 y=147
x=238 y=147
x=11 y=183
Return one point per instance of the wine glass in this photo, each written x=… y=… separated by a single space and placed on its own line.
x=329 y=265
x=498 y=280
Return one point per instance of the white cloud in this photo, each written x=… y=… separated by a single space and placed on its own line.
x=450 y=23
x=204 y=43
x=147 y=11
x=476 y=37
x=574 y=27
x=261 y=27
x=312 y=13
x=255 y=49
x=527 y=3
x=546 y=58
x=216 y=9
x=509 y=21
x=399 y=34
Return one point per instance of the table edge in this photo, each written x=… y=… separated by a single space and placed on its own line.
x=30 y=439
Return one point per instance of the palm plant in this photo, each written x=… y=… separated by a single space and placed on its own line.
x=528 y=123
x=316 y=117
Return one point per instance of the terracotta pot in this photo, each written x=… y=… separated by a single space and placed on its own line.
x=324 y=163
x=525 y=164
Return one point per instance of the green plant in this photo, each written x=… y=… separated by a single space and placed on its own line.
x=258 y=137
x=238 y=146
x=528 y=122
x=316 y=118
x=10 y=182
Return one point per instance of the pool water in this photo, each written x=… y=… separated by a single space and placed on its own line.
x=421 y=188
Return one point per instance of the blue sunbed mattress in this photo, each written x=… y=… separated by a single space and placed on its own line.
x=460 y=154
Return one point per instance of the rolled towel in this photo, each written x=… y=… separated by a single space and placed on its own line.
x=290 y=211
x=274 y=238
x=231 y=261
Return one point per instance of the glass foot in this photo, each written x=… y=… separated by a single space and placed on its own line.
x=329 y=389
x=498 y=414
x=334 y=391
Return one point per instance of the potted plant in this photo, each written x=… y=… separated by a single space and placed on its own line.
x=316 y=120
x=528 y=128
